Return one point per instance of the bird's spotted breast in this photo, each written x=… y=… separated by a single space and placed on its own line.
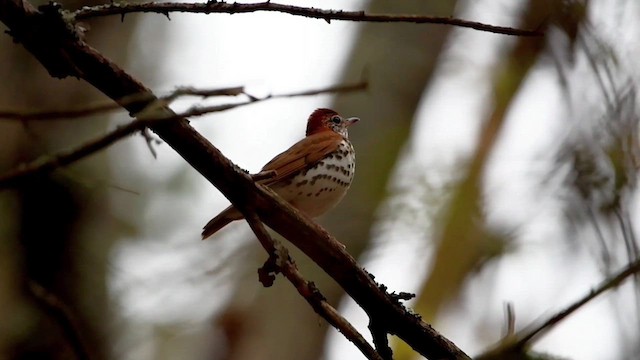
x=322 y=186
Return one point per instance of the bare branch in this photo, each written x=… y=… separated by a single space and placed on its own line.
x=534 y=334
x=121 y=9
x=146 y=117
x=63 y=316
x=94 y=109
x=279 y=260
x=206 y=93
x=50 y=163
x=516 y=343
x=88 y=110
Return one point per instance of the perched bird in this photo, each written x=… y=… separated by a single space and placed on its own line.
x=313 y=175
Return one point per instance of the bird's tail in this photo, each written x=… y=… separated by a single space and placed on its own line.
x=228 y=215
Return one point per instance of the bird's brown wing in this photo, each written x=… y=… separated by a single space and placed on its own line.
x=302 y=155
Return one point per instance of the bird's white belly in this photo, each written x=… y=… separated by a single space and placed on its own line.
x=320 y=188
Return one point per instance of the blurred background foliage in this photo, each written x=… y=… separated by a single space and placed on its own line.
x=491 y=169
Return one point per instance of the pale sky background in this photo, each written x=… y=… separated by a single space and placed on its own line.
x=273 y=53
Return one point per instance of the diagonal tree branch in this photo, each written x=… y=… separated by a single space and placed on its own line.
x=327 y=15
x=53 y=42
x=280 y=261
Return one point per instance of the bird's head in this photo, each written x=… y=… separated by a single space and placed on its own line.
x=329 y=120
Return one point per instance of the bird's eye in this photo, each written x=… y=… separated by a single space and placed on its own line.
x=336 y=119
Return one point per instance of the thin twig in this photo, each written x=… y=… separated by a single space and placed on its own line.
x=93 y=109
x=63 y=316
x=26 y=115
x=121 y=9
x=49 y=163
x=279 y=256
x=205 y=93
x=510 y=320
x=46 y=164
x=535 y=333
x=531 y=334
x=203 y=110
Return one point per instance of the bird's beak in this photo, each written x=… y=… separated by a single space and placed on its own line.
x=351 y=121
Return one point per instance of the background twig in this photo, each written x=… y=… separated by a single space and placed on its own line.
x=63 y=316
x=92 y=109
x=526 y=337
x=146 y=118
x=327 y=15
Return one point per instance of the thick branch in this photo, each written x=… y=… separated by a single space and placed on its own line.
x=327 y=15
x=279 y=255
x=65 y=55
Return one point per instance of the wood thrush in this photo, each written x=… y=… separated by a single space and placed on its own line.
x=313 y=175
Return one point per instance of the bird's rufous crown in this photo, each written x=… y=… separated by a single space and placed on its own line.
x=318 y=120
x=328 y=120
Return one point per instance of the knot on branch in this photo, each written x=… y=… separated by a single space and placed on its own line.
x=396 y=297
x=402 y=296
x=314 y=292
x=267 y=273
